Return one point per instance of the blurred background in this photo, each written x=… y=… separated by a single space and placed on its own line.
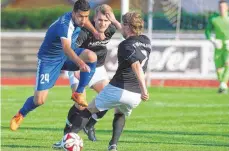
x=181 y=55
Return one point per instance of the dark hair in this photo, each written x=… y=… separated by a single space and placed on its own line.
x=222 y=1
x=82 y=5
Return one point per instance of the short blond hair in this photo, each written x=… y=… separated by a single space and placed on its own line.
x=134 y=21
x=104 y=8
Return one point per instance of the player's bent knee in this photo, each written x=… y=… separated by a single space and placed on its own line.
x=99 y=86
x=88 y=56
x=92 y=57
x=92 y=107
x=93 y=110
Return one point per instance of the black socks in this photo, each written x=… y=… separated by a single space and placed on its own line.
x=77 y=119
x=93 y=121
x=118 y=125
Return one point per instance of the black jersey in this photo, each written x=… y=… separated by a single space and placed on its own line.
x=88 y=41
x=135 y=48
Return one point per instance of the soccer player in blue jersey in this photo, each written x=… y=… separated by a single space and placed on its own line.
x=57 y=47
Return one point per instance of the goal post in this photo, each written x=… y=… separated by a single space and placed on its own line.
x=124 y=6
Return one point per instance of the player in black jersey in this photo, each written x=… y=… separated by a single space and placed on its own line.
x=100 y=78
x=127 y=88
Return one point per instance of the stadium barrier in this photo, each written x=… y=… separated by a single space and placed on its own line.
x=171 y=63
x=172 y=59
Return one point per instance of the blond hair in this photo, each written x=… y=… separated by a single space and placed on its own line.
x=134 y=21
x=104 y=8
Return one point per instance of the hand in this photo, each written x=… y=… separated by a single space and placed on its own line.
x=144 y=96
x=99 y=36
x=217 y=43
x=111 y=17
x=84 y=67
x=227 y=44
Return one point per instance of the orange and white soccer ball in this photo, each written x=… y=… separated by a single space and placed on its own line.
x=72 y=142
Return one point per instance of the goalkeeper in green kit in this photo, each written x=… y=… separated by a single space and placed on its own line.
x=219 y=24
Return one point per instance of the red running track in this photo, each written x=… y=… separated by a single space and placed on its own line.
x=155 y=82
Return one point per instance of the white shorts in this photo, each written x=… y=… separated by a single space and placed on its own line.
x=114 y=97
x=99 y=75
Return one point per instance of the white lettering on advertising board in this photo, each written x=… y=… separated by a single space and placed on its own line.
x=185 y=59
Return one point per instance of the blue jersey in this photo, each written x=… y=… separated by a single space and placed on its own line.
x=64 y=27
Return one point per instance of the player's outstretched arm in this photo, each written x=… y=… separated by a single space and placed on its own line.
x=137 y=68
x=66 y=44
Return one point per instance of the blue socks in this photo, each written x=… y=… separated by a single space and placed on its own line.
x=85 y=77
x=28 y=106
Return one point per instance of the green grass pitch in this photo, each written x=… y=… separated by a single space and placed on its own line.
x=174 y=119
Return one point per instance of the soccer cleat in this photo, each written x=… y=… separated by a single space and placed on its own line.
x=57 y=145
x=112 y=147
x=16 y=121
x=220 y=90
x=90 y=133
x=80 y=99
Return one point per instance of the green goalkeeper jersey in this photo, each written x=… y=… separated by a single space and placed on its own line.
x=219 y=25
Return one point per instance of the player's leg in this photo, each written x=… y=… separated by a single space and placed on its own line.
x=128 y=100
x=97 y=83
x=89 y=129
x=76 y=120
x=108 y=98
x=118 y=126
x=79 y=119
x=219 y=72
x=225 y=76
x=219 y=66
x=45 y=79
x=90 y=58
x=28 y=106
x=73 y=111
x=74 y=82
x=99 y=80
